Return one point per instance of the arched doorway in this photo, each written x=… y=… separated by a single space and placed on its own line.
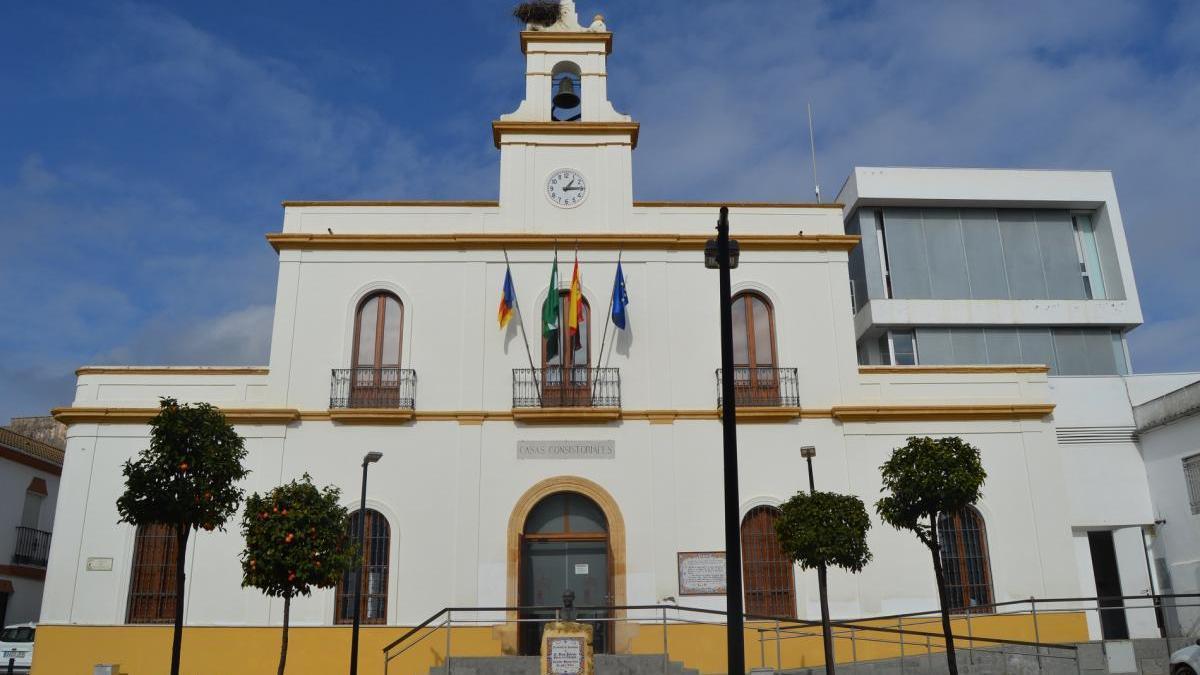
x=565 y=546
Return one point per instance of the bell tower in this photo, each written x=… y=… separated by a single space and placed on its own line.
x=565 y=152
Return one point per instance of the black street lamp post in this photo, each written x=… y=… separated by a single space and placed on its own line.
x=808 y=452
x=370 y=458
x=723 y=255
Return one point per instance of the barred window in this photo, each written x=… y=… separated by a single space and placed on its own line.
x=373 y=574
x=767 y=572
x=152 y=581
x=1191 y=473
x=965 y=562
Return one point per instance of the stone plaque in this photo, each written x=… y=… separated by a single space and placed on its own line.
x=566 y=649
x=566 y=449
x=99 y=564
x=702 y=573
x=564 y=655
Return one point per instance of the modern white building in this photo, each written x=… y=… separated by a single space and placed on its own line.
x=594 y=463
x=29 y=474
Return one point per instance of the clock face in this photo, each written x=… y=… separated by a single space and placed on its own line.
x=566 y=188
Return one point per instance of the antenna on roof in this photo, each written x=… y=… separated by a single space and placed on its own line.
x=812 y=146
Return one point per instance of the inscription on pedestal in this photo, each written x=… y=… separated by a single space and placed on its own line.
x=564 y=656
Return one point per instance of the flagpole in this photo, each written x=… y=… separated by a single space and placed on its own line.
x=524 y=335
x=608 y=316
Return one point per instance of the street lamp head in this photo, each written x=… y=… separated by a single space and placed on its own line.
x=808 y=452
x=372 y=457
x=712 y=259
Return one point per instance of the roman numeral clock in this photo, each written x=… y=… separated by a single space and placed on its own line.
x=566 y=188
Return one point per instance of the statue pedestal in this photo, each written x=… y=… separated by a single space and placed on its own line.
x=567 y=649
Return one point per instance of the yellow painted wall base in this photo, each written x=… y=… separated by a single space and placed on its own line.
x=146 y=650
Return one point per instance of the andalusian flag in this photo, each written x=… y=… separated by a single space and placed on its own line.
x=550 y=323
x=508 y=299
x=575 y=305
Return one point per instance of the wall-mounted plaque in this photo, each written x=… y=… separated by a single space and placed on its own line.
x=565 y=655
x=99 y=564
x=566 y=449
x=702 y=573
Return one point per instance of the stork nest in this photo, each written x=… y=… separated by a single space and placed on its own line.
x=538 y=12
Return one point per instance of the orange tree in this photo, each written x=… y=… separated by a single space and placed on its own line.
x=819 y=529
x=186 y=479
x=924 y=478
x=295 y=541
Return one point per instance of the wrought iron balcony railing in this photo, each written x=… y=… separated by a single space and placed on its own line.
x=763 y=387
x=570 y=387
x=373 y=388
x=33 y=547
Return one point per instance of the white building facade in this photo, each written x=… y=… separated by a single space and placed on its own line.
x=510 y=475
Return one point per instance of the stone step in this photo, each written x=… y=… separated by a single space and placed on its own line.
x=606 y=664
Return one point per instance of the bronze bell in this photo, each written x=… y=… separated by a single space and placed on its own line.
x=566 y=97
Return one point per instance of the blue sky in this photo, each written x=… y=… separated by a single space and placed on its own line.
x=146 y=147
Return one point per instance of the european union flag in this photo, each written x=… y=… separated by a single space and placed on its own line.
x=619 y=298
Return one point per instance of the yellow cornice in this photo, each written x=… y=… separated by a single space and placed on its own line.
x=316 y=241
x=630 y=129
x=142 y=415
x=172 y=370
x=749 y=415
x=566 y=415
x=530 y=36
x=384 y=202
x=913 y=413
x=737 y=205
x=915 y=370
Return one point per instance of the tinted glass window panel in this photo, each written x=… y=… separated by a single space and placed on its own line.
x=741 y=346
x=1003 y=345
x=1098 y=346
x=1022 y=257
x=904 y=348
x=1091 y=254
x=1118 y=346
x=764 y=353
x=1060 y=257
x=585 y=515
x=549 y=516
x=969 y=346
x=1037 y=346
x=391 y=332
x=906 y=253
x=984 y=253
x=947 y=261
x=935 y=346
x=1071 y=351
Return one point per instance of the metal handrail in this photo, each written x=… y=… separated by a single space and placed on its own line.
x=763 y=386
x=566 y=387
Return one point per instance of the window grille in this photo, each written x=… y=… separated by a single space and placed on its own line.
x=770 y=585
x=965 y=562
x=1191 y=473
x=373 y=573
x=152 y=582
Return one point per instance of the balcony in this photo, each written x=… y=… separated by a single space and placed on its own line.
x=372 y=395
x=571 y=394
x=764 y=392
x=33 y=547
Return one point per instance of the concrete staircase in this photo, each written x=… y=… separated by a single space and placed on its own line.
x=606 y=664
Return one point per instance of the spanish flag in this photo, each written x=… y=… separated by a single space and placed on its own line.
x=508 y=299
x=575 y=306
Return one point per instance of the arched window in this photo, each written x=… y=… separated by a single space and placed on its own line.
x=753 y=331
x=965 y=562
x=377 y=330
x=373 y=574
x=152 y=580
x=767 y=572
x=755 y=377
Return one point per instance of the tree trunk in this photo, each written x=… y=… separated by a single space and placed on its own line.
x=287 y=610
x=181 y=538
x=936 y=550
x=826 y=629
